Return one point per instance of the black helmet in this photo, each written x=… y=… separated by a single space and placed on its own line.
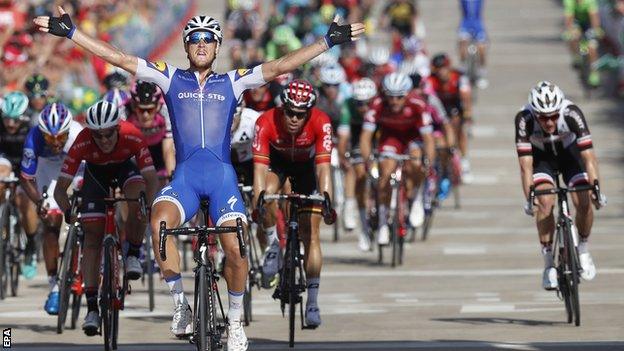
x=115 y=80
x=441 y=60
x=37 y=86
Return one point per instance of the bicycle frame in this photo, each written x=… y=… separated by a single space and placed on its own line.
x=13 y=243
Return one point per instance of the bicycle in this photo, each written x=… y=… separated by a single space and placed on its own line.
x=472 y=65
x=397 y=213
x=114 y=283
x=13 y=240
x=292 y=276
x=254 y=275
x=70 y=275
x=206 y=331
x=565 y=253
x=148 y=268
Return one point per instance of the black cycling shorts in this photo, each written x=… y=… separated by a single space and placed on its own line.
x=97 y=182
x=302 y=174
x=568 y=163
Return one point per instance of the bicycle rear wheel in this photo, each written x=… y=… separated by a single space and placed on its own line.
x=247 y=303
x=149 y=269
x=65 y=279
x=76 y=304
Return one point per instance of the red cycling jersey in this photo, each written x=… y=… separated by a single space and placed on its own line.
x=314 y=141
x=130 y=143
x=449 y=91
x=398 y=129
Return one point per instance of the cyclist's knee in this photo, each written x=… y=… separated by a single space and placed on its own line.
x=165 y=211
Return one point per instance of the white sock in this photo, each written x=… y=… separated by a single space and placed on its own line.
x=271 y=233
x=583 y=247
x=313 y=288
x=53 y=283
x=363 y=219
x=547 y=256
x=236 y=305
x=383 y=215
x=350 y=203
x=176 y=289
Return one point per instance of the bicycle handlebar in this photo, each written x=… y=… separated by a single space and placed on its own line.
x=201 y=230
x=328 y=212
x=556 y=191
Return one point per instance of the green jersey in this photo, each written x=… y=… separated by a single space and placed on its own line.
x=351 y=121
x=580 y=9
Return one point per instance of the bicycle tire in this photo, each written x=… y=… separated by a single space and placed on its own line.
x=292 y=297
x=76 y=304
x=574 y=276
x=149 y=270
x=14 y=257
x=65 y=279
x=213 y=330
x=394 y=237
x=247 y=303
x=2 y=270
x=427 y=225
x=201 y=332
x=4 y=235
x=15 y=271
x=108 y=295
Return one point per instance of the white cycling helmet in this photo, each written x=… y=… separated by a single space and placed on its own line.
x=203 y=23
x=364 y=89
x=102 y=115
x=546 y=98
x=55 y=119
x=333 y=74
x=379 y=56
x=246 y=5
x=396 y=84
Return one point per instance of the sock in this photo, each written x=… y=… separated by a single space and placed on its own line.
x=92 y=300
x=53 y=283
x=134 y=249
x=350 y=203
x=582 y=246
x=313 y=288
x=271 y=233
x=176 y=289
x=383 y=215
x=363 y=219
x=236 y=305
x=547 y=255
x=30 y=248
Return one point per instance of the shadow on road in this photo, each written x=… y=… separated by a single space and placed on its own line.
x=494 y=320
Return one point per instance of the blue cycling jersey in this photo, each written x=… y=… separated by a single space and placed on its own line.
x=35 y=148
x=471 y=10
x=201 y=116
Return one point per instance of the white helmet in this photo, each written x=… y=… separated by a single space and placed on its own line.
x=379 y=56
x=333 y=75
x=396 y=84
x=546 y=98
x=203 y=23
x=55 y=119
x=364 y=89
x=246 y=5
x=102 y=115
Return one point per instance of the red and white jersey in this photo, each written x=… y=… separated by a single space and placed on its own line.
x=313 y=142
x=412 y=120
x=130 y=143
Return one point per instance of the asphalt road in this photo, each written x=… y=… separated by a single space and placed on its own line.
x=475 y=284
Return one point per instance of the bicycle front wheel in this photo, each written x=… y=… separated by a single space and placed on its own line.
x=107 y=298
x=573 y=277
x=65 y=279
x=292 y=291
x=201 y=331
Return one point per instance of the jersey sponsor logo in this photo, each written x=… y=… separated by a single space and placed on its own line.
x=244 y=137
x=216 y=80
x=200 y=95
x=327 y=138
x=29 y=156
x=256 y=144
x=240 y=73
x=160 y=67
x=522 y=128
x=231 y=202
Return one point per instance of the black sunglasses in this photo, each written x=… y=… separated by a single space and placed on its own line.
x=296 y=114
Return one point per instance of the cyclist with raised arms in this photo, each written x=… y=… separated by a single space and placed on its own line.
x=201 y=104
x=350 y=156
x=295 y=140
x=113 y=150
x=44 y=150
x=405 y=129
x=552 y=135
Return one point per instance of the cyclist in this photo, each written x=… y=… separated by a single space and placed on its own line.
x=453 y=89
x=552 y=134
x=379 y=64
x=472 y=29
x=405 y=129
x=13 y=132
x=146 y=111
x=107 y=146
x=37 y=91
x=119 y=98
x=351 y=160
x=262 y=98
x=201 y=105
x=295 y=141
x=45 y=147
x=582 y=19
x=243 y=130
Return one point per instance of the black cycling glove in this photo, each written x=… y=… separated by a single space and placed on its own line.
x=62 y=26
x=338 y=34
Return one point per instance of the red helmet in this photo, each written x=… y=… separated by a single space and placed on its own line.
x=299 y=93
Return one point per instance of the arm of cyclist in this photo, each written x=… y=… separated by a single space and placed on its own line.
x=449 y=133
x=366 y=143
x=60 y=195
x=429 y=147
x=465 y=94
x=591 y=167
x=337 y=34
x=344 y=135
x=63 y=26
x=568 y=14
x=259 y=183
x=526 y=176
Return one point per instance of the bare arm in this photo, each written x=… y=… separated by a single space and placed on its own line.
x=591 y=164
x=323 y=176
x=450 y=134
x=60 y=193
x=594 y=19
x=429 y=146
x=151 y=184
x=30 y=187
x=259 y=184
x=366 y=144
x=466 y=99
x=169 y=155
x=343 y=142
x=526 y=173
x=97 y=47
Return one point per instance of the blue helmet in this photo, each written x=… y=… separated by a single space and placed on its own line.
x=116 y=96
x=55 y=119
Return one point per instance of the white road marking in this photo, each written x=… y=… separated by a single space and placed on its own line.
x=486 y=308
x=452 y=273
x=488 y=299
x=464 y=250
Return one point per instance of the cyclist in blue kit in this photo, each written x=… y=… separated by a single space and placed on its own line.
x=201 y=104
x=471 y=29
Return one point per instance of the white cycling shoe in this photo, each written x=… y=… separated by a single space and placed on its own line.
x=133 y=268
x=181 y=325
x=467 y=177
x=237 y=340
x=313 y=316
x=549 y=278
x=364 y=242
x=417 y=213
x=383 y=236
x=349 y=215
x=587 y=263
